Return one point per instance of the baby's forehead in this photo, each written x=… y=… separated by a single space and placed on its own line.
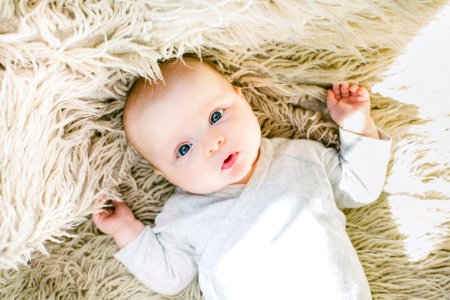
x=192 y=72
x=172 y=73
x=179 y=78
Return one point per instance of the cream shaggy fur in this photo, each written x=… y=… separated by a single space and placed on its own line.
x=65 y=67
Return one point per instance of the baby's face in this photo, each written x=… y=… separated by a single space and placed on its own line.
x=202 y=135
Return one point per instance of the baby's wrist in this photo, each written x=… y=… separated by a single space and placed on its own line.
x=369 y=129
x=128 y=233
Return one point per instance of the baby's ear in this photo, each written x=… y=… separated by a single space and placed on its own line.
x=237 y=90
x=157 y=171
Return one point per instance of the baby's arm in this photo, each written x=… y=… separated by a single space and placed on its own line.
x=358 y=170
x=162 y=262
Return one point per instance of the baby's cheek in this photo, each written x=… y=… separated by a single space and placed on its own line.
x=191 y=179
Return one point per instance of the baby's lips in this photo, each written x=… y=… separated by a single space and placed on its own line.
x=230 y=160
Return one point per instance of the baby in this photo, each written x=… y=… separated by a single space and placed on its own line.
x=254 y=218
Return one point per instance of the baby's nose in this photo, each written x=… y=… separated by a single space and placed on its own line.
x=215 y=144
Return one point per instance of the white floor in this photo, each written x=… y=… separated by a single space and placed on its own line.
x=422 y=75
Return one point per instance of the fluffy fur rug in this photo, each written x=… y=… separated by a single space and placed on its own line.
x=65 y=67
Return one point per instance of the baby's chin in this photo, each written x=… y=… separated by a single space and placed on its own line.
x=208 y=189
x=205 y=190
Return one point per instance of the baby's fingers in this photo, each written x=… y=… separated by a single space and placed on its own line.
x=353 y=88
x=363 y=92
x=357 y=98
x=331 y=99
x=97 y=218
x=104 y=210
x=100 y=202
x=336 y=87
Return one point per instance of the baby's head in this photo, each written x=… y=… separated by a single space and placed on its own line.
x=195 y=128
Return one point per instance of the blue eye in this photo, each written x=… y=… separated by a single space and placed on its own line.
x=183 y=150
x=216 y=116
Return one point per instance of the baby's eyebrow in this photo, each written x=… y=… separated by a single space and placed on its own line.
x=217 y=97
x=209 y=105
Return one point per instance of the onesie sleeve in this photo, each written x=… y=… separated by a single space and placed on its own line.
x=357 y=172
x=160 y=261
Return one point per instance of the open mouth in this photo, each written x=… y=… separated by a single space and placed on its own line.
x=230 y=161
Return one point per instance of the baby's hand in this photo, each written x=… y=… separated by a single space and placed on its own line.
x=350 y=108
x=118 y=222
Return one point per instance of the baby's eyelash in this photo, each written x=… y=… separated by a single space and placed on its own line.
x=183 y=150
x=214 y=118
